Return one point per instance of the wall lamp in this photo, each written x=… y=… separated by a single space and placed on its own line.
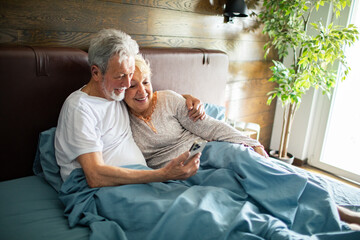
x=234 y=8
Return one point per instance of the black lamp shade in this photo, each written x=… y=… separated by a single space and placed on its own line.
x=235 y=8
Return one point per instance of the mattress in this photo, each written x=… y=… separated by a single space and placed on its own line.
x=30 y=209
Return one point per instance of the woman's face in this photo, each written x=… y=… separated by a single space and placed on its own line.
x=140 y=93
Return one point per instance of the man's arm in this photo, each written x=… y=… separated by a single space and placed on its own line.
x=195 y=107
x=100 y=175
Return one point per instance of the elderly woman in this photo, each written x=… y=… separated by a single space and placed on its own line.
x=160 y=124
x=163 y=131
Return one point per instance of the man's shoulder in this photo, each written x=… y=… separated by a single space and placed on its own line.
x=80 y=99
x=79 y=104
x=75 y=96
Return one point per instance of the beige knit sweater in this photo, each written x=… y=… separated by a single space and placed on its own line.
x=176 y=132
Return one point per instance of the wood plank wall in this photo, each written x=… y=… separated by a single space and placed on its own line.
x=155 y=23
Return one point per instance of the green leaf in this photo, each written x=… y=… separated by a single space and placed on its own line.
x=337 y=13
x=285 y=23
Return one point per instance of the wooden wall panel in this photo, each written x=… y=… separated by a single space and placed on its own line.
x=155 y=23
x=250 y=70
x=72 y=15
x=199 y=6
x=238 y=109
x=136 y=20
x=248 y=89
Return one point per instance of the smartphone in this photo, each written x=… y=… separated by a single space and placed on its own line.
x=196 y=148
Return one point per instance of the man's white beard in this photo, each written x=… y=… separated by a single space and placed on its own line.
x=119 y=97
x=113 y=95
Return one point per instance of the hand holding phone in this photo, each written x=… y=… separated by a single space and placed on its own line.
x=195 y=148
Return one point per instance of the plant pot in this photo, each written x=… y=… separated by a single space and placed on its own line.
x=275 y=154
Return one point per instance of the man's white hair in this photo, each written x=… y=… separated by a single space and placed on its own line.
x=108 y=42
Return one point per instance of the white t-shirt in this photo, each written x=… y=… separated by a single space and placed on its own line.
x=92 y=124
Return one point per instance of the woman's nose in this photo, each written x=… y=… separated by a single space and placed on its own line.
x=141 y=88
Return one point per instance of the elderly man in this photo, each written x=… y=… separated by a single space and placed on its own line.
x=93 y=130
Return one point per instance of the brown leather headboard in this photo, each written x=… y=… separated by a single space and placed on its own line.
x=35 y=81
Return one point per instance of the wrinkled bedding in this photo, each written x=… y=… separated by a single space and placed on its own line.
x=235 y=195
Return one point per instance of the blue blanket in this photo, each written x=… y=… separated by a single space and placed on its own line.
x=236 y=194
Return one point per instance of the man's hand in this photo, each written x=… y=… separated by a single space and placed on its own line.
x=176 y=170
x=195 y=107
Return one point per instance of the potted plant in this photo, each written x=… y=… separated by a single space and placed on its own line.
x=286 y=22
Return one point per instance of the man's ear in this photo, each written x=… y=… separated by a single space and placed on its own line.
x=96 y=73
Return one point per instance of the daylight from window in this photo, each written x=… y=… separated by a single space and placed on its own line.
x=342 y=143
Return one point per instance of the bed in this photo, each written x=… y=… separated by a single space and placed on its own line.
x=35 y=83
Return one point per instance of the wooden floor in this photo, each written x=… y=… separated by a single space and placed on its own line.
x=319 y=171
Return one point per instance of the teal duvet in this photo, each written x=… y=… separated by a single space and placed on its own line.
x=235 y=195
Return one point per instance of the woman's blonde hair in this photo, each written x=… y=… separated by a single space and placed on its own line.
x=143 y=65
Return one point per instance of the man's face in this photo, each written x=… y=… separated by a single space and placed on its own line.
x=117 y=78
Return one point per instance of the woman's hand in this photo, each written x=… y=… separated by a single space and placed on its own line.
x=260 y=150
x=176 y=170
x=195 y=107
